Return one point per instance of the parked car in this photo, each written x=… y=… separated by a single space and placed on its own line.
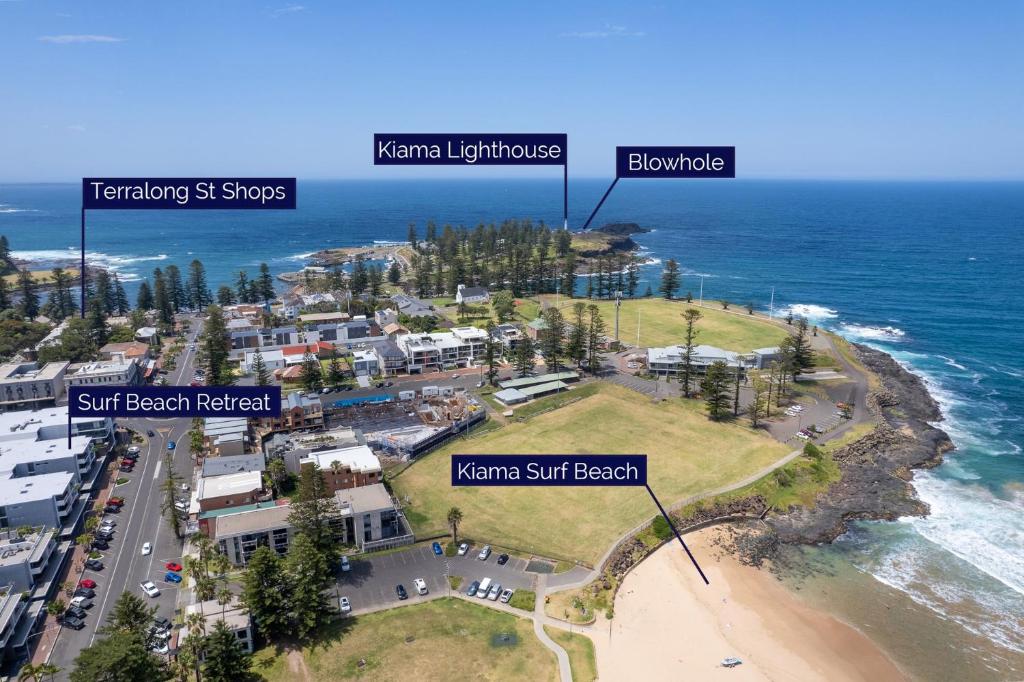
x=502 y=559
x=116 y=501
x=172 y=577
x=400 y=591
x=463 y=548
x=173 y=566
x=473 y=587
x=345 y=605
x=437 y=548
x=75 y=612
x=485 y=585
x=94 y=564
x=147 y=549
x=149 y=432
x=81 y=602
x=108 y=522
x=86 y=592
x=111 y=509
x=162 y=623
x=495 y=592
x=506 y=595
x=388 y=384
x=150 y=589
x=104 y=535
x=73 y=623
x=133 y=450
x=170 y=445
x=484 y=553
x=346 y=565
x=100 y=544
x=126 y=469
x=421 y=585
x=88 y=583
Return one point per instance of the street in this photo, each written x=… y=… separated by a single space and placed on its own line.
x=139 y=521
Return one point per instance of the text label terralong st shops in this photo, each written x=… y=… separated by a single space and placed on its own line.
x=188 y=193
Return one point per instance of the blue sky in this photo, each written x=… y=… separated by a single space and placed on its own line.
x=804 y=90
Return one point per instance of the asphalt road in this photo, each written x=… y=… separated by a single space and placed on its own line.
x=370 y=585
x=139 y=521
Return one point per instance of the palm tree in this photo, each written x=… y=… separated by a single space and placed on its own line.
x=37 y=672
x=454 y=519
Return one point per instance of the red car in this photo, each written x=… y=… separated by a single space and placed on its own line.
x=116 y=501
x=171 y=566
x=88 y=583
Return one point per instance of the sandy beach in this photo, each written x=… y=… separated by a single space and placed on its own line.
x=668 y=625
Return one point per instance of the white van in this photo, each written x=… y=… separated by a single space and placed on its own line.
x=485 y=585
x=421 y=585
x=81 y=602
x=429 y=391
x=407 y=395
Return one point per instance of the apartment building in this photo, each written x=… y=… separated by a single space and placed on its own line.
x=442 y=350
x=103 y=372
x=27 y=385
x=238 y=532
x=298 y=411
x=348 y=467
x=230 y=490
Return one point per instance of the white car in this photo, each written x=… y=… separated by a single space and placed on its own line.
x=346 y=565
x=147 y=549
x=345 y=605
x=150 y=589
x=133 y=450
x=421 y=585
x=463 y=548
x=484 y=553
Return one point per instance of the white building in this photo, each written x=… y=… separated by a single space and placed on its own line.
x=273 y=359
x=364 y=363
x=103 y=373
x=669 y=360
x=232 y=614
x=456 y=348
x=26 y=385
x=471 y=295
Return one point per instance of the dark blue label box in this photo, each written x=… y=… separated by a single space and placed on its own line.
x=188 y=193
x=675 y=162
x=470 y=149
x=549 y=470
x=163 y=402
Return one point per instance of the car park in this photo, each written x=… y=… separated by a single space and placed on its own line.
x=506 y=595
x=88 y=583
x=147 y=548
x=345 y=605
x=173 y=566
x=463 y=548
x=150 y=589
x=502 y=559
x=437 y=548
x=484 y=553
x=172 y=577
x=421 y=585
x=400 y=591
x=495 y=590
x=473 y=587
x=94 y=564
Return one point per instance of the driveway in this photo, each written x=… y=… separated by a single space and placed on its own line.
x=370 y=585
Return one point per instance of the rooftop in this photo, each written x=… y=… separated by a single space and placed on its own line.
x=232 y=614
x=365 y=498
x=229 y=484
x=232 y=464
x=541 y=379
x=358 y=458
x=100 y=367
x=34 y=488
x=252 y=518
x=128 y=348
x=31 y=371
x=24 y=451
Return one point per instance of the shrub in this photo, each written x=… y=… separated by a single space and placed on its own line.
x=661 y=529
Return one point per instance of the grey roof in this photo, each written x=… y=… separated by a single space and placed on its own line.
x=233 y=464
x=473 y=291
x=389 y=350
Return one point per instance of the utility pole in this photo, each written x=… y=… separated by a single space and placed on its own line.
x=638 y=327
x=618 y=305
x=771 y=306
x=701 y=291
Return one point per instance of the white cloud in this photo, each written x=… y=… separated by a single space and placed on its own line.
x=287 y=9
x=76 y=128
x=79 y=38
x=609 y=31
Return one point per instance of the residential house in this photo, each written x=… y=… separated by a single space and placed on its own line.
x=348 y=467
x=390 y=358
x=232 y=614
x=272 y=360
x=471 y=295
x=385 y=317
x=130 y=351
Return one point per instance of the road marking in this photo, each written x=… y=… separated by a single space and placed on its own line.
x=157 y=472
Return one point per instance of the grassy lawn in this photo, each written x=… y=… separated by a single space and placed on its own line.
x=581 y=653
x=523 y=599
x=687 y=454
x=440 y=640
x=661 y=324
x=40 y=276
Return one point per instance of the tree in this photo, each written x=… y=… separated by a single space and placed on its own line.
x=119 y=657
x=669 y=279
x=265 y=283
x=576 y=345
x=76 y=344
x=225 y=296
x=803 y=356
x=411 y=237
x=552 y=338
x=265 y=593
x=454 y=519
x=226 y=660
x=376 y=278
x=259 y=369
x=62 y=303
x=169 y=488
x=5 y=296
x=313 y=509
x=278 y=473
x=360 y=278
x=130 y=615
x=161 y=298
x=335 y=372
x=522 y=356
x=312 y=374
x=568 y=278
x=725 y=304
x=121 y=306
x=29 y=297
x=691 y=316
x=504 y=305
x=37 y=672
x=759 y=388
x=736 y=397
x=307 y=570
x=632 y=277
x=595 y=331
x=96 y=320
x=491 y=354
x=242 y=287
x=56 y=607
x=198 y=291
x=394 y=272
x=176 y=292
x=144 y=298
x=715 y=388
x=214 y=342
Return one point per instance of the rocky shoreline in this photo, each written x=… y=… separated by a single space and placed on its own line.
x=877 y=470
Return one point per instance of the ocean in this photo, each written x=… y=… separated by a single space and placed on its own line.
x=929 y=272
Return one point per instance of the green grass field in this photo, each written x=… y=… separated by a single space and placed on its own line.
x=661 y=324
x=687 y=454
x=445 y=639
x=582 y=659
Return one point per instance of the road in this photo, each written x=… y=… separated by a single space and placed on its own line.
x=139 y=521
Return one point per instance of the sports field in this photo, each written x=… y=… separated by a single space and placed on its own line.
x=445 y=639
x=687 y=454
x=661 y=324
